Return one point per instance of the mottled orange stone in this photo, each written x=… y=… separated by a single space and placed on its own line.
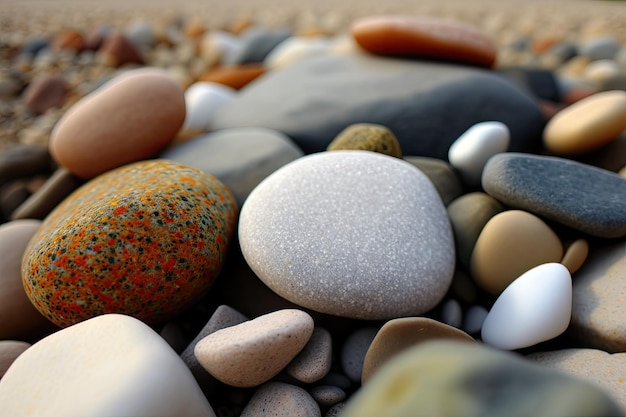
x=425 y=37
x=145 y=240
x=235 y=76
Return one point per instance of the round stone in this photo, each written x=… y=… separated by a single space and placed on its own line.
x=425 y=37
x=145 y=240
x=128 y=119
x=511 y=243
x=367 y=137
x=587 y=124
x=330 y=230
x=314 y=361
x=281 y=400
x=575 y=255
x=202 y=100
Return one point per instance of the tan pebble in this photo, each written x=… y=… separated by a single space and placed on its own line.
x=278 y=399
x=607 y=371
x=588 y=124
x=622 y=172
x=511 y=243
x=238 y=25
x=400 y=334
x=575 y=255
x=128 y=119
x=19 y=318
x=367 y=137
x=194 y=28
x=251 y=353
x=9 y=351
x=45 y=92
x=575 y=67
x=601 y=70
x=314 y=361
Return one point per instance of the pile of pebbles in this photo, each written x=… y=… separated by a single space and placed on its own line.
x=244 y=210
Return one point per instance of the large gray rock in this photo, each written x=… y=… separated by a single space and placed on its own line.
x=426 y=105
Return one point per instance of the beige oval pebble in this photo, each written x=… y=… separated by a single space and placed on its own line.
x=510 y=244
x=19 y=319
x=9 y=351
x=251 y=353
x=587 y=124
x=278 y=399
x=315 y=360
x=575 y=255
x=400 y=334
x=607 y=371
x=128 y=119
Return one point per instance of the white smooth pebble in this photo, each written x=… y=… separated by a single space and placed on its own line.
x=203 y=99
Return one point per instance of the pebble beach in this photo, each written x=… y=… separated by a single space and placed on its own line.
x=328 y=209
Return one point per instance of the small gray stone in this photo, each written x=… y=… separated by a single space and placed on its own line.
x=257 y=44
x=240 y=158
x=604 y=47
x=442 y=175
x=350 y=233
x=327 y=395
x=278 y=399
x=354 y=350
x=315 y=360
x=580 y=196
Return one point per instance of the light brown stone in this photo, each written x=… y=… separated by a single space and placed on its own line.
x=575 y=255
x=234 y=76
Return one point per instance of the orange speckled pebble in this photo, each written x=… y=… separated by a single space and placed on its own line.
x=145 y=240
x=427 y=37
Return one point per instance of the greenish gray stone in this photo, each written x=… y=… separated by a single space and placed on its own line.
x=447 y=378
x=367 y=137
x=441 y=174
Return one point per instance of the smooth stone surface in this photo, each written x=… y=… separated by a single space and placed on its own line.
x=424 y=37
x=45 y=92
x=452 y=313
x=588 y=124
x=468 y=215
x=441 y=174
x=474 y=319
x=600 y=71
x=21 y=160
x=354 y=350
x=253 y=352
x=367 y=137
x=19 y=319
x=518 y=317
x=10 y=350
x=278 y=399
x=418 y=98
x=146 y=240
x=296 y=48
x=202 y=100
x=580 y=196
x=470 y=152
x=112 y=365
x=603 y=47
x=327 y=395
x=539 y=82
x=117 y=50
x=315 y=360
x=598 y=306
x=511 y=243
x=575 y=255
x=317 y=230
x=240 y=157
x=398 y=335
x=223 y=317
x=596 y=366
x=56 y=188
x=257 y=44
x=233 y=76
x=453 y=379
x=144 y=110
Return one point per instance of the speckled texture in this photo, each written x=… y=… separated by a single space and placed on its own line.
x=144 y=240
x=350 y=233
x=580 y=196
x=315 y=360
x=367 y=137
x=277 y=399
x=253 y=352
x=327 y=395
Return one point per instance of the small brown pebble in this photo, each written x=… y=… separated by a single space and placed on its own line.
x=236 y=76
x=117 y=51
x=69 y=40
x=45 y=92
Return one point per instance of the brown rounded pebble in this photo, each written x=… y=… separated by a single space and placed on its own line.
x=22 y=160
x=511 y=243
x=128 y=119
x=12 y=195
x=251 y=353
x=367 y=137
x=9 y=351
x=117 y=50
x=234 y=76
x=69 y=40
x=60 y=184
x=425 y=37
x=278 y=399
x=45 y=92
x=400 y=334
x=19 y=319
x=588 y=124
x=575 y=255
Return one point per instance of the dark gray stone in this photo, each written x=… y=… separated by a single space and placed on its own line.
x=426 y=105
x=257 y=44
x=577 y=195
x=21 y=160
x=537 y=81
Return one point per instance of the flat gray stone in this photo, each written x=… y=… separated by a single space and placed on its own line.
x=350 y=233
x=585 y=198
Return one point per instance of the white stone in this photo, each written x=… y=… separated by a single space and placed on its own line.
x=224 y=44
x=471 y=151
x=110 y=365
x=295 y=49
x=534 y=308
x=351 y=233
x=203 y=99
x=141 y=34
